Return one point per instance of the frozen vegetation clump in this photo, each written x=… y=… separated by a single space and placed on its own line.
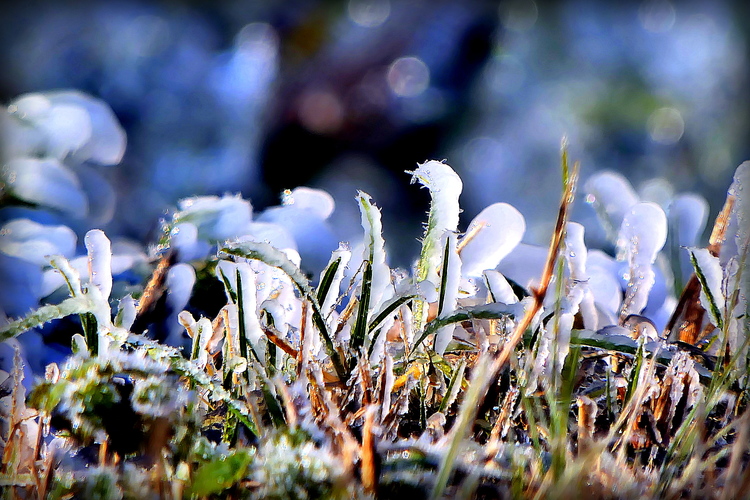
x=216 y=365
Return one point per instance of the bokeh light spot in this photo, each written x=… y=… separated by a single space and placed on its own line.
x=519 y=15
x=258 y=37
x=408 y=76
x=657 y=16
x=321 y=111
x=666 y=126
x=369 y=13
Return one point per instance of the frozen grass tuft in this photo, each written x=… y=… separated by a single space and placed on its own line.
x=593 y=375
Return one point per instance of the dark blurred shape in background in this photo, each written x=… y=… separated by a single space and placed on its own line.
x=256 y=97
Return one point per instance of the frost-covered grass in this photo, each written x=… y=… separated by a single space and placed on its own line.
x=490 y=369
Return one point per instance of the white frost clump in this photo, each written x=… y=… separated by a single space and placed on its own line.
x=445 y=187
x=47 y=141
x=687 y=214
x=612 y=196
x=99 y=251
x=33 y=242
x=299 y=223
x=579 y=296
x=449 y=301
x=494 y=233
x=381 y=288
x=46 y=182
x=217 y=219
x=61 y=124
x=329 y=301
x=740 y=224
x=304 y=214
x=124 y=256
x=243 y=272
x=499 y=287
x=712 y=272
x=642 y=234
x=180 y=281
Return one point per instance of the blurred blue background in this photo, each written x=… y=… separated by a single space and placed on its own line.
x=256 y=97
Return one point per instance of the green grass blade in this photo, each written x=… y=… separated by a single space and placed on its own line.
x=487 y=311
x=635 y=373
x=388 y=309
x=444 y=275
x=324 y=286
x=359 y=332
x=453 y=386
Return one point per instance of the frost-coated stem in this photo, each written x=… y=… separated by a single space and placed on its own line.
x=73 y=305
x=445 y=187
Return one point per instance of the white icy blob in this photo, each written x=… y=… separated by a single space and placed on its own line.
x=107 y=142
x=126 y=312
x=524 y=264
x=499 y=287
x=575 y=251
x=46 y=182
x=603 y=282
x=612 y=196
x=99 y=251
x=579 y=296
x=741 y=190
x=687 y=214
x=445 y=187
x=33 y=242
x=642 y=234
x=248 y=299
x=494 y=233
x=315 y=200
x=125 y=255
x=374 y=251
x=271 y=233
x=329 y=301
x=714 y=275
x=67 y=128
x=740 y=225
x=217 y=219
x=31 y=107
x=66 y=124
x=180 y=281
x=452 y=281
x=303 y=215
